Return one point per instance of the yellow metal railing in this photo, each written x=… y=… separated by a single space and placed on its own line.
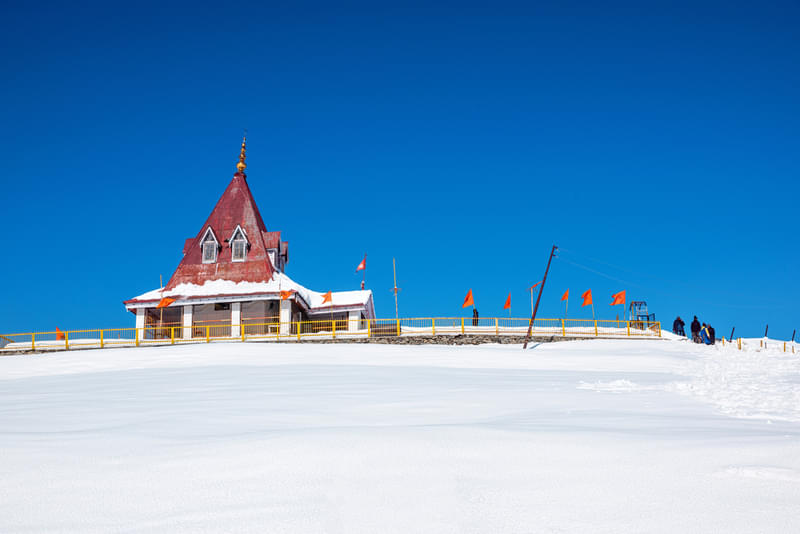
x=325 y=329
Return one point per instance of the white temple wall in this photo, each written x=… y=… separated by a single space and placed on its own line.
x=286 y=317
x=354 y=320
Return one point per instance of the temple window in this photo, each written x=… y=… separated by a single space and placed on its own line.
x=238 y=245
x=210 y=246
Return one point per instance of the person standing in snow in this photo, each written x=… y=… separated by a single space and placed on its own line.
x=704 y=335
x=695 y=330
x=677 y=327
x=712 y=335
x=474 y=316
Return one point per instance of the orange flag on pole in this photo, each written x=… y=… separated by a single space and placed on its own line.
x=468 y=300
x=59 y=335
x=285 y=295
x=587 y=297
x=566 y=295
x=507 y=305
x=363 y=264
x=166 y=301
x=619 y=298
x=327 y=297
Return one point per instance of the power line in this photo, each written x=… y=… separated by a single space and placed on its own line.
x=651 y=289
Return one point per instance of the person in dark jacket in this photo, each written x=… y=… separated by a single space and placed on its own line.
x=474 y=316
x=712 y=335
x=695 y=330
x=677 y=327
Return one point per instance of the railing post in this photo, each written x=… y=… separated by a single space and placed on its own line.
x=740 y=343
x=433 y=326
x=66 y=339
x=334 y=329
x=369 y=328
x=241 y=331
x=208 y=334
x=172 y=334
x=398 y=327
x=496 y=327
x=297 y=325
x=462 y=326
x=595 y=328
x=563 y=329
x=629 y=328
x=33 y=341
x=101 y=339
x=136 y=336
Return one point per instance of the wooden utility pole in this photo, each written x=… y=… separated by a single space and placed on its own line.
x=541 y=290
x=732 y=331
x=766 y=330
x=793 y=333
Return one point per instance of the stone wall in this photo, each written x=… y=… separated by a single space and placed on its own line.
x=441 y=340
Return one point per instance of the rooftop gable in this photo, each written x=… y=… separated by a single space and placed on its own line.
x=236 y=207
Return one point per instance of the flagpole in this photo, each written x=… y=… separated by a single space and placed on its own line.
x=161 y=314
x=394 y=270
x=566 y=309
x=531 y=290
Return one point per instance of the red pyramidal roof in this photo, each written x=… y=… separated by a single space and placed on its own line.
x=236 y=207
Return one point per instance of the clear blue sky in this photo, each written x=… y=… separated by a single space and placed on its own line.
x=655 y=143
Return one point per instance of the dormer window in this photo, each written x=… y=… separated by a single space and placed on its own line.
x=239 y=245
x=210 y=247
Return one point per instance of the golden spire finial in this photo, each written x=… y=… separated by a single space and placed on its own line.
x=241 y=166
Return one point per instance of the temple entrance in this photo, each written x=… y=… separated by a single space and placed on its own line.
x=158 y=323
x=260 y=317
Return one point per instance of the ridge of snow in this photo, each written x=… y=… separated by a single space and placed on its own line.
x=248 y=437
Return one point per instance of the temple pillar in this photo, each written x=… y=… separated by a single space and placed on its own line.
x=286 y=317
x=236 y=319
x=140 y=312
x=187 y=322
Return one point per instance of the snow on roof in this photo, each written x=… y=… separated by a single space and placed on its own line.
x=279 y=282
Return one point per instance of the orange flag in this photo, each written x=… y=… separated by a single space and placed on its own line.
x=363 y=264
x=166 y=301
x=507 y=305
x=327 y=297
x=286 y=295
x=619 y=298
x=534 y=285
x=566 y=295
x=59 y=335
x=468 y=300
x=587 y=297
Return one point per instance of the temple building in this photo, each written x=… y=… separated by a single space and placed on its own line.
x=232 y=276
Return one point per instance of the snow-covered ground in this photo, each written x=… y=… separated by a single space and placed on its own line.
x=580 y=436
